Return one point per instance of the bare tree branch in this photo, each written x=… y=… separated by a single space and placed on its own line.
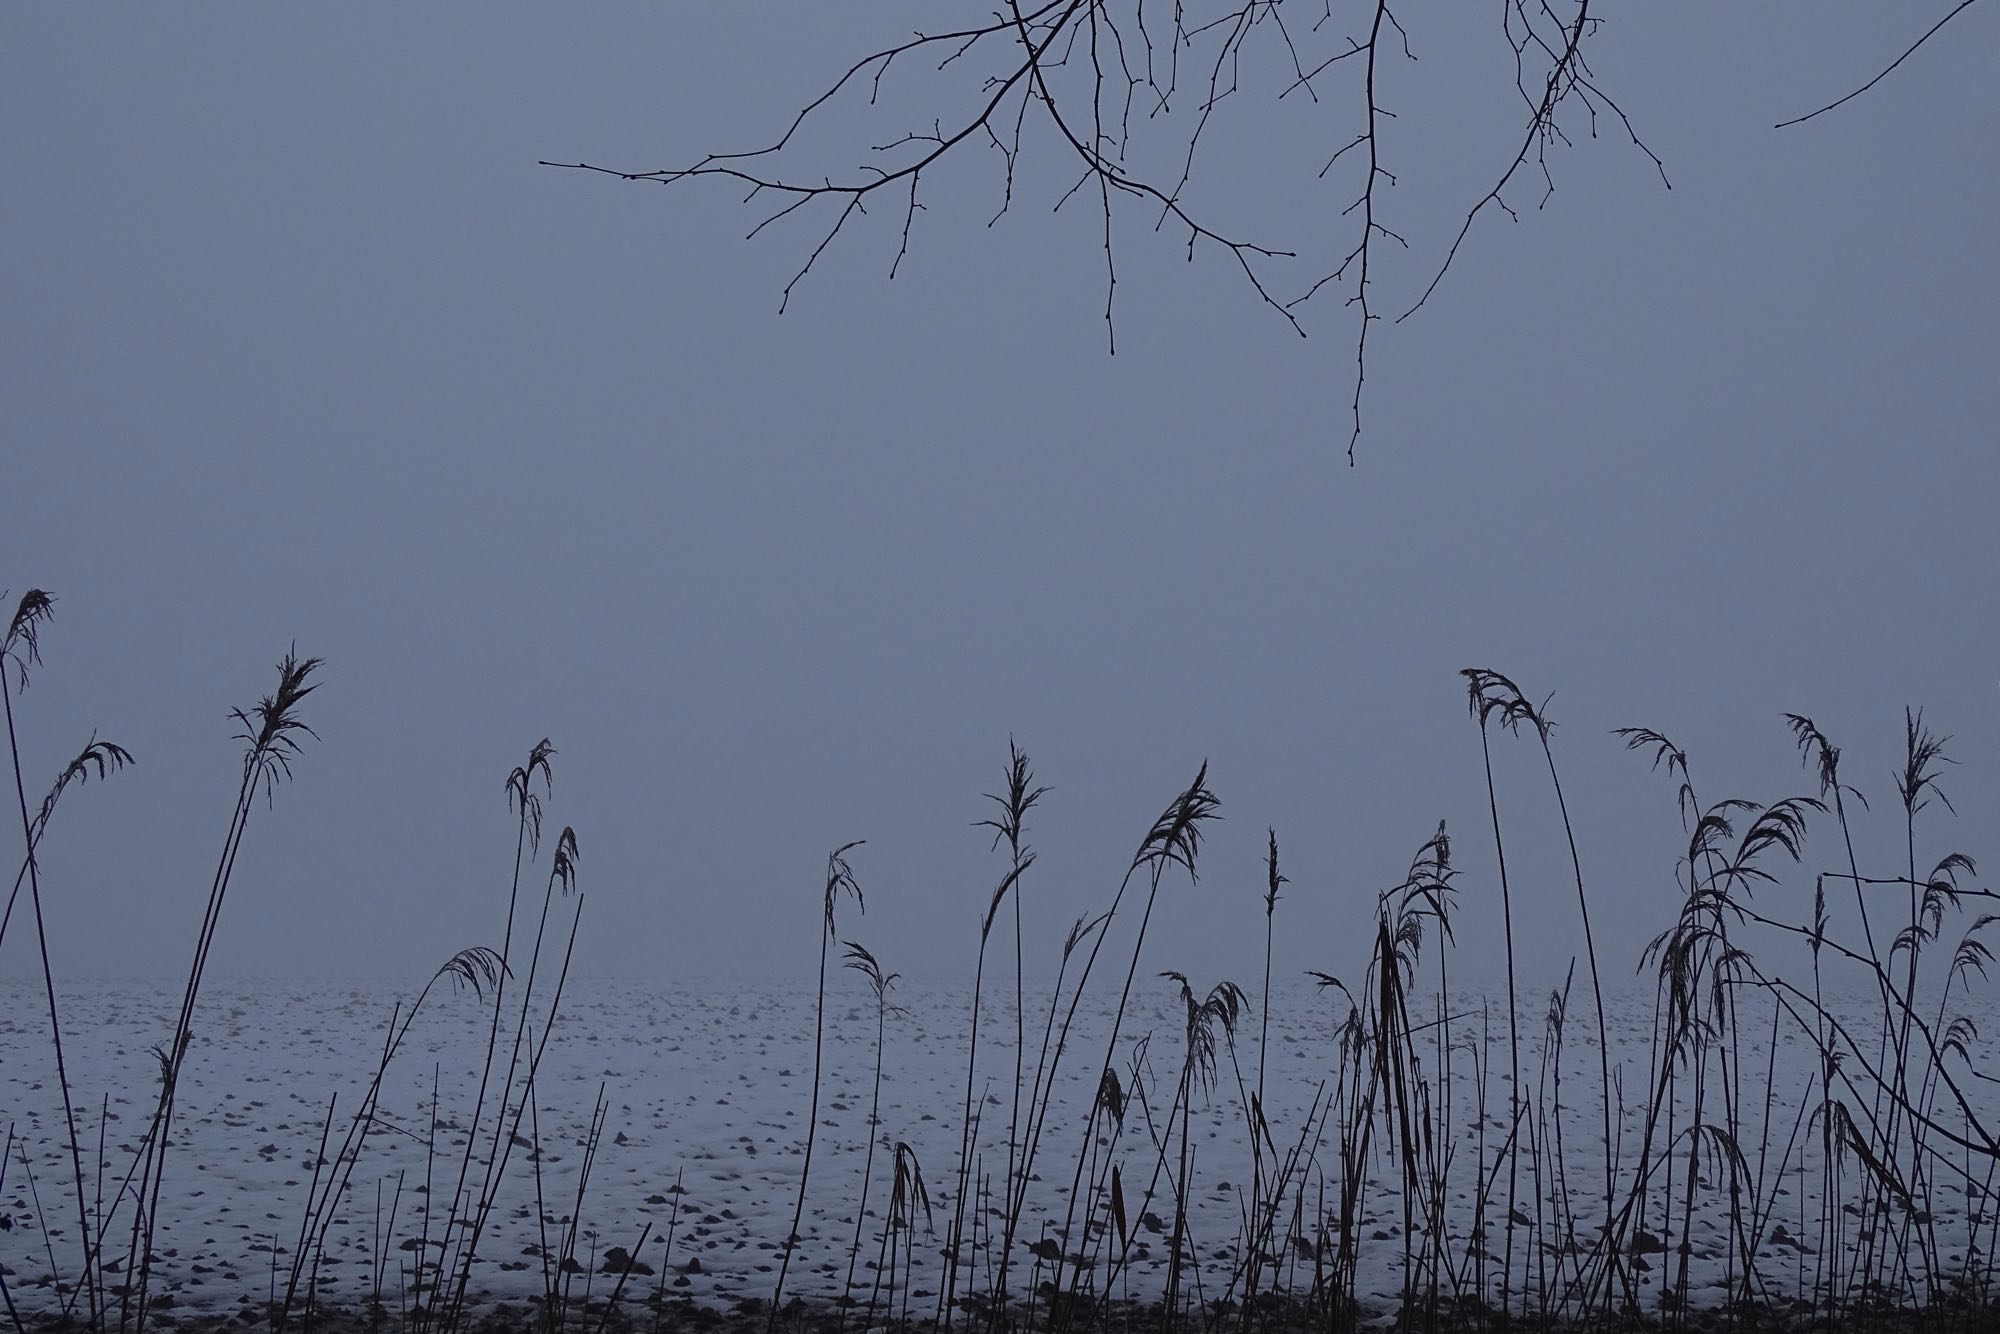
x=1961 y=7
x=1095 y=76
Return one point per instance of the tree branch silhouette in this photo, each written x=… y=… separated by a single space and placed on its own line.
x=1095 y=82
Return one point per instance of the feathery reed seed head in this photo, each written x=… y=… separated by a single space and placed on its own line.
x=23 y=643
x=1019 y=798
x=520 y=789
x=272 y=727
x=840 y=880
x=1176 y=835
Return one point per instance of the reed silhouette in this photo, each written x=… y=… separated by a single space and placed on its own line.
x=1441 y=1174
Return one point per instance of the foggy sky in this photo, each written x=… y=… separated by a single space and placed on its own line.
x=303 y=346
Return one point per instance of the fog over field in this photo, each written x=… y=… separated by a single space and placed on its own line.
x=307 y=348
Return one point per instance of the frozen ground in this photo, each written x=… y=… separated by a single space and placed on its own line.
x=709 y=1085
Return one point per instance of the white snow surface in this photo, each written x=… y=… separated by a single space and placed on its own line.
x=707 y=1085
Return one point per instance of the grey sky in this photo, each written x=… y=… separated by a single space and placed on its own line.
x=302 y=345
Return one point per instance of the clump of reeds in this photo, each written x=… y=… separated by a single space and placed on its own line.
x=1818 y=1197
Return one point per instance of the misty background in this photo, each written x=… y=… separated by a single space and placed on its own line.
x=304 y=347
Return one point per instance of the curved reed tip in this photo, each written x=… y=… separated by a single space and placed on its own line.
x=36 y=605
x=1176 y=835
x=23 y=642
x=563 y=870
x=840 y=880
x=1489 y=692
x=521 y=797
x=859 y=959
x=477 y=967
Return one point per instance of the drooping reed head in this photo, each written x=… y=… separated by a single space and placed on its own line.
x=1781 y=826
x=477 y=968
x=908 y=1190
x=1972 y=955
x=1176 y=835
x=1220 y=1009
x=1708 y=841
x=100 y=757
x=1427 y=890
x=861 y=961
x=1673 y=757
x=840 y=880
x=1488 y=694
x=23 y=644
x=521 y=797
x=1816 y=751
x=1941 y=890
x=1328 y=982
x=562 y=872
x=1961 y=1035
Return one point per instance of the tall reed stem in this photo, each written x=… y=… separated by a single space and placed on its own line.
x=839 y=880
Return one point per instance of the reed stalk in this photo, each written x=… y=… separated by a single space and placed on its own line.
x=839 y=881
x=879 y=984
x=271 y=731
x=21 y=647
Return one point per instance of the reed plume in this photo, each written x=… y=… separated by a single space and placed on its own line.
x=271 y=731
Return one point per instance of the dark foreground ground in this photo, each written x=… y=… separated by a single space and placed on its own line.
x=648 y=1316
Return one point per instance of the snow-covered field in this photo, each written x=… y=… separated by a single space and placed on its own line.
x=708 y=1087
